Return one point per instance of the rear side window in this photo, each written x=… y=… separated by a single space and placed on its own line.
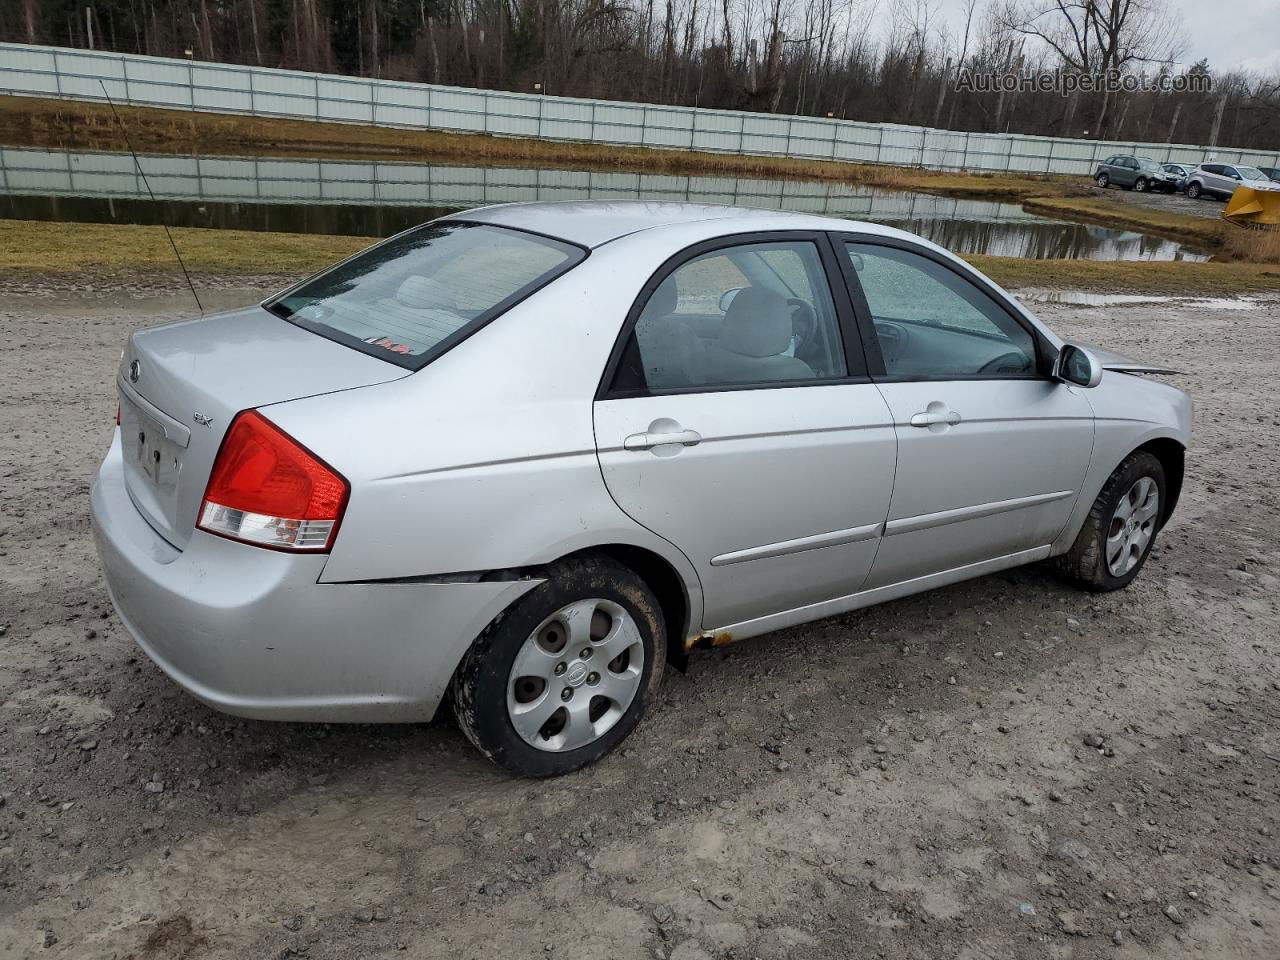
x=411 y=298
x=753 y=314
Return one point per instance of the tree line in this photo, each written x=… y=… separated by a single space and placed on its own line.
x=893 y=61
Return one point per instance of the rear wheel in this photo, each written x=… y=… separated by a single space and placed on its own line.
x=1194 y=190
x=1119 y=532
x=563 y=676
x=1140 y=185
x=1102 y=180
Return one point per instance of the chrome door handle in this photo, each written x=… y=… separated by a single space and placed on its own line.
x=931 y=417
x=647 y=441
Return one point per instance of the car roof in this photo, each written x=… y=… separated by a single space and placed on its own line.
x=591 y=223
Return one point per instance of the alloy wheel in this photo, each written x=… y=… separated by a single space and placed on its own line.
x=1133 y=524
x=575 y=676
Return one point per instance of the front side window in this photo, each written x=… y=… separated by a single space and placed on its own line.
x=933 y=324
x=412 y=297
x=753 y=314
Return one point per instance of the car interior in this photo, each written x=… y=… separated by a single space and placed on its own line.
x=732 y=317
x=699 y=328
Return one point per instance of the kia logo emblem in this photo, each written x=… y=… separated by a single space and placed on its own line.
x=135 y=371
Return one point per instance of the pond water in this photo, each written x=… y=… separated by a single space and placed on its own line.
x=382 y=198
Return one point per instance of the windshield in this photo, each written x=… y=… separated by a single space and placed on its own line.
x=409 y=299
x=1251 y=173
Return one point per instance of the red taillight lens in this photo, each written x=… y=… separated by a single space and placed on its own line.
x=268 y=489
x=117 y=414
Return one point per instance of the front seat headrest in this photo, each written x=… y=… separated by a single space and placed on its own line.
x=423 y=293
x=757 y=323
x=662 y=303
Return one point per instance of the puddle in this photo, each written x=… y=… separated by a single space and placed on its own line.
x=378 y=199
x=1079 y=298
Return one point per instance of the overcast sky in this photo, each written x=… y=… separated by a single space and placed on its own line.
x=1235 y=35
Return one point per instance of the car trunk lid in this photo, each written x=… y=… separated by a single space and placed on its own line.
x=181 y=384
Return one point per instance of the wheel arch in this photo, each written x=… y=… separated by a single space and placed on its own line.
x=671 y=589
x=1172 y=456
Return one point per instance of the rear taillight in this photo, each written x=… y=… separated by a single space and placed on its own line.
x=267 y=489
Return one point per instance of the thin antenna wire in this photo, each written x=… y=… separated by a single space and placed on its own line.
x=146 y=183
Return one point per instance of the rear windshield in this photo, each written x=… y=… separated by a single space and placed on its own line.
x=411 y=298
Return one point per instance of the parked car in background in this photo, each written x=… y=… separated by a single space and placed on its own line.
x=1134 y=173
x=1221 y=179
x=1272 y=172
x=517 y=458
x=1180 y=170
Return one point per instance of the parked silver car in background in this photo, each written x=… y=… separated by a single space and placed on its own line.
x=1221 y=179
x=517 y=459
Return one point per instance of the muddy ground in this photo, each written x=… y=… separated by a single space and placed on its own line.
x=1007 y=768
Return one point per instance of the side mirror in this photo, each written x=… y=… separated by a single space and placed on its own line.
x=726 y=298
x=1077 y=365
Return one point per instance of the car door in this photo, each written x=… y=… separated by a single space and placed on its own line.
x=991 y=452
x=737 y=421
x=1123 y=172
x=1213 y=178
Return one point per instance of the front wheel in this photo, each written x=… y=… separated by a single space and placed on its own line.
x=563 y=676
x=1119 y=532
x=1141 y=185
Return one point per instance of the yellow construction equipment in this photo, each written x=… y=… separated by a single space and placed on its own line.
x=1249 y=207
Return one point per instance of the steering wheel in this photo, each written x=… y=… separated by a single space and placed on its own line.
x=803 y=322
x=1015 y=361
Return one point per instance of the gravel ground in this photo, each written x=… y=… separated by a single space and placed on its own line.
x=1208 y=208
x=1005 y=768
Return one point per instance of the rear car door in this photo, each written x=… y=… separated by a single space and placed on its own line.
x=991 y=451
x=737 y=421
x=1213 y=178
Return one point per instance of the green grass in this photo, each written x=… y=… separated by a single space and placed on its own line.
x=29 y=245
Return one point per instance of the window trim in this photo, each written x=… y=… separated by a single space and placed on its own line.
x=474 y=325
x=855 y=360
x=866 y=324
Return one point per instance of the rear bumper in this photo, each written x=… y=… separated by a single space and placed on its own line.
x=250 y=632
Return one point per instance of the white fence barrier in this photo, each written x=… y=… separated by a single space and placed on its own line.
x=259 y=91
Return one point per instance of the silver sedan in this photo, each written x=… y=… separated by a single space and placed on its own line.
x=518 y=459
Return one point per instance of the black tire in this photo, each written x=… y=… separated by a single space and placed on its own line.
x=1086 y=563
x=1194 y=190
x=1102 y=180
x=480 y=684
x=1140 y=185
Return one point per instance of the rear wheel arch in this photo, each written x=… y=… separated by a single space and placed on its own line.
x=667 y=585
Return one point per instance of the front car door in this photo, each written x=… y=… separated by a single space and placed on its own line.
x=991 y=451
x=737 y=421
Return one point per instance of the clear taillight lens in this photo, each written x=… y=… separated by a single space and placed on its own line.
x=268 y=489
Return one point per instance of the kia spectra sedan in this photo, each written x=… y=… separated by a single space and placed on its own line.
x=516 y=460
